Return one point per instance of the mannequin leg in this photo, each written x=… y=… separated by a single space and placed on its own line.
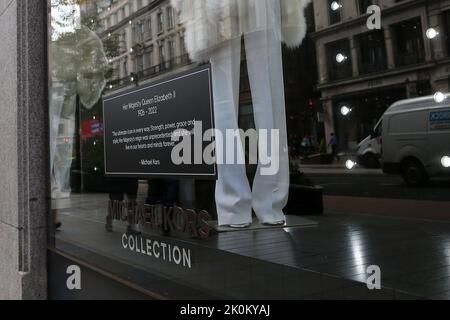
x=265 y=66
x=61 y=153
x=233 y=193
x=54 y=116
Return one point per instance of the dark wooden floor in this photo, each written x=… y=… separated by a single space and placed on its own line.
x=327 y=261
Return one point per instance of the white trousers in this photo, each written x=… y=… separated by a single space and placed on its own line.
x=234 y=196
x=60 y=149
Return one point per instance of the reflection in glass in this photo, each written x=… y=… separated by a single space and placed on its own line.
x=327 y=96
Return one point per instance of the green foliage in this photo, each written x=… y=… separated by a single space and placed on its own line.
x=111 y=46
x=92 y=22
x=297 y=176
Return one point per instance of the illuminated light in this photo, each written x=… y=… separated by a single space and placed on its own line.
x=350 y=164
x=335 y=6
x=130 y=22
x=110 y=86
x=445 y=161
x=345 y=111
x=432 y=33
x=93 y=117
x=340 y=58
x=110 y=60
x=109 y=34
x=131 y=50
x=439 y=97
x=132 y=79
x=95 y=169
x=109 y=8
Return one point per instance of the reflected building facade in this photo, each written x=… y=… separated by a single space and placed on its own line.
x=368 y=70
x=145 y=38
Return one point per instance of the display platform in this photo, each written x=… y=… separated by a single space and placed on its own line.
x=291 y=222
x=328 y=260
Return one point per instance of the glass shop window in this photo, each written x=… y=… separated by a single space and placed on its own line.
x=334 y=11
x=364 y=4
x=343 y=98
x=409 y=42
x=372 y=52
x=446 y=38
x=339 y=59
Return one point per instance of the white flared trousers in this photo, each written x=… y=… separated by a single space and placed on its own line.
x=60 y=150
x=234 y=196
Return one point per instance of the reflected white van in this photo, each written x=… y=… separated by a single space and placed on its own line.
x=416 y=139
x=369 y=150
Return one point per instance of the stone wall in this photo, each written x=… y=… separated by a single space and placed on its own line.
x=24 y=205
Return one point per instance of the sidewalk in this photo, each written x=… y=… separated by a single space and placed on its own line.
x=338 y=169
x=418 y=209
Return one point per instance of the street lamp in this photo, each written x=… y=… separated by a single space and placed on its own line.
x=340 y=58
x=335 y=5
x=445 y=161
x=439 y=97
x=345 y=111
x=432 y=33
x=350 y=164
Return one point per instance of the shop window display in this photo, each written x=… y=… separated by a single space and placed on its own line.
x=309 y=74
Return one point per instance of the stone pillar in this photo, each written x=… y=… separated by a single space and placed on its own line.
x=389 y=47
x=354 y=57
x=438 y=44
x=322 y=62
x=328 y=118
x=23 y=149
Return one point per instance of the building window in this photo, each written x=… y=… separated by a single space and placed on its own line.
x=408 y=42
x=338 y=60
x=125 y=69
x=123 y=41
x=446 y=20
x=149 y=28
x=170 y=17
x=139 y=32
x=182 y=45
x=148 y=59
x=334 y=11
x=160 y=22
x=371 y=52
x=162 y=53
x=140 y=63
x=363 y=5
x=171 y=50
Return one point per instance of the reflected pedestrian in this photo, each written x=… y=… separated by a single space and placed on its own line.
x=334 y=146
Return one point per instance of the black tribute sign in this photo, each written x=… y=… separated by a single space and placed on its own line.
x=140 y=124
